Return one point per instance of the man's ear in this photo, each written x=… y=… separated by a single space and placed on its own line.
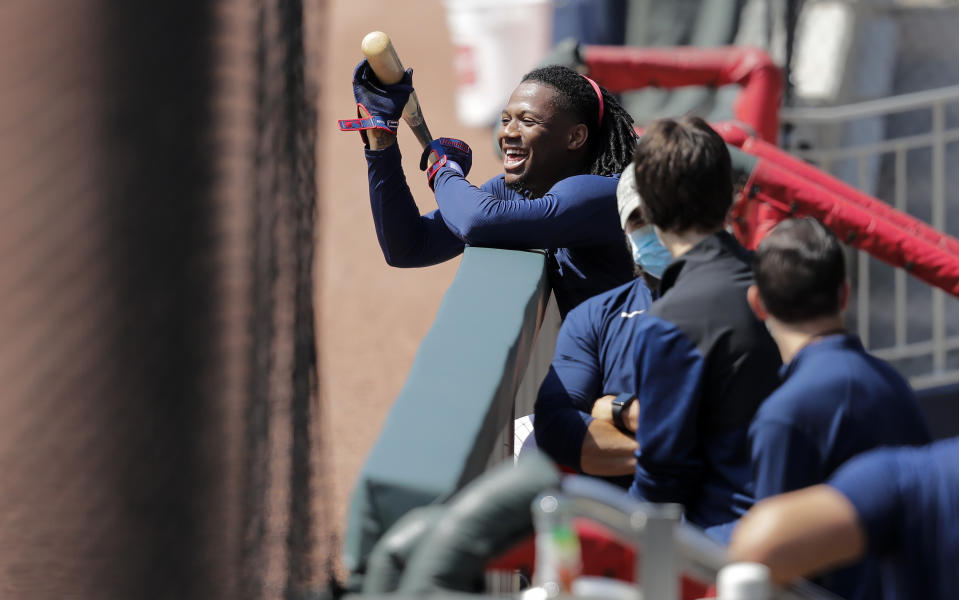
x=756 y=303
x=844 y=295
x=577 y=136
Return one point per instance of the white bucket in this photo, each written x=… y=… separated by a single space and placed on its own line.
x=495 y=43
x=743 y=581
x=608 y=589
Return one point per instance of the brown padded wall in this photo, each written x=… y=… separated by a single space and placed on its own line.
x=158 y=421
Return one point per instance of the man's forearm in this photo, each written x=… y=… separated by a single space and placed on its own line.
x=603 y=410
x=380 y=139
x=800 y=533
x=607 y=451
x=376 y=138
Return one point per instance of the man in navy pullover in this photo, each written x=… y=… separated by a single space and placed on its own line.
x=593 y=363
x=564 y=141
x=836 y=400
x=703 y=362
x=899 y=504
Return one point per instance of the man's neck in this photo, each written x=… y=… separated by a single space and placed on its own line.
x=681 y=242
x=793 y=337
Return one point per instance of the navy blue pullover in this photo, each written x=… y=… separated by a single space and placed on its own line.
x=576 y=222
x=907 y=500
x=704 y=363
x=835 y=402
x=593 y=358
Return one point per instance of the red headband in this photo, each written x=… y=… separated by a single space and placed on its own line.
x=599 y=96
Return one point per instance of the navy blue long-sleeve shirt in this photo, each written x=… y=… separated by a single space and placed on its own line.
x=576 y=222
x=703 y=363
x=593 y=358
x=907 y=500
x=836 y=401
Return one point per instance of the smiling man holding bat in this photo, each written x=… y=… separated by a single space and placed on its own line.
x=564 y=141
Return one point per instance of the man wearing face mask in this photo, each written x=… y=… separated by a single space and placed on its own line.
x=577 y=420
x=650 y=256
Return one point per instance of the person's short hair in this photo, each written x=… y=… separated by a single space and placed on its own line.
x=684 y=175
x=799 y=270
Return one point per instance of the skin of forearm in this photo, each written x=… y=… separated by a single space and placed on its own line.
x=378 y=139
x=799 y=534
x=632 y=417
x=607 y=451
x=603 y=410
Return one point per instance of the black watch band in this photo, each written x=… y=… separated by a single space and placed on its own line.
x=621 y=405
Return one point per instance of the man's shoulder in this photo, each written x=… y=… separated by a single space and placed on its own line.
x=931 y=470
x=633 y=297
x=794 y=401
x=496 y=185
x=917 y=471
x=818 y=381
x=849 y=366
x=709 y=306
x=702 y=288
x=829 y=383
x=661 y=337
x=591 y=179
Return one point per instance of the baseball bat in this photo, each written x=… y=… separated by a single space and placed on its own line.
x=379 y=51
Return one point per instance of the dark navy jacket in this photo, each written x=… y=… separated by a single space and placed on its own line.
x=577 y=223
x=835 y=402
x=907 y=500
x=593 y=358
x=704 y=364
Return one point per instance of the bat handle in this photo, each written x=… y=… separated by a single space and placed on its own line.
x=386 y=64
x=413 y=116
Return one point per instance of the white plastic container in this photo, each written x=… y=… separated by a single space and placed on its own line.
x=743 y=581
x=495 y=42
x=608 y=589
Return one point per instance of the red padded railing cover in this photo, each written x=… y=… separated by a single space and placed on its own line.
x=604 y=554
x=782 y=185
x=623 y=68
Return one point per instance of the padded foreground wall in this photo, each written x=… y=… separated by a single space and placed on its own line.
x=441 y=431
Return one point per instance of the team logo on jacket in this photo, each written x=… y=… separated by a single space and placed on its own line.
x=630 y=315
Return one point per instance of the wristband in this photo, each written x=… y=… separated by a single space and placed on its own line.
x=439 y=164
x=621 y=406
x=372 y=122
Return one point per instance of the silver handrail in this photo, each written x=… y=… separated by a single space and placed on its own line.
x=903 y=320
x=870 y=108
x=675 y=547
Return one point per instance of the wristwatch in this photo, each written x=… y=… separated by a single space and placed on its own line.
x=620 y=410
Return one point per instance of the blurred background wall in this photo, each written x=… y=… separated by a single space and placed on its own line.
x=180 y=219
x=160 y=418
